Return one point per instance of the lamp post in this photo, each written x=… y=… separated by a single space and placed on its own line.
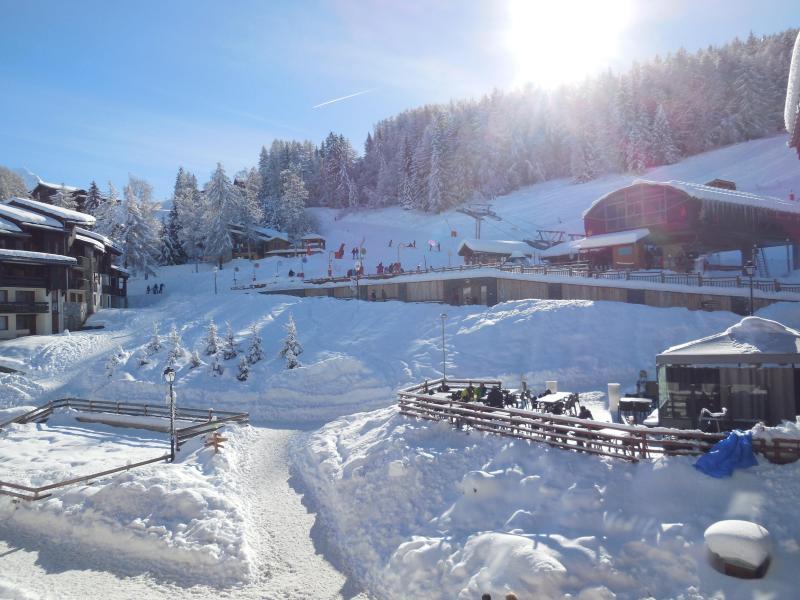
x=750 y=270
x=443 y=317
x=215 y=269
x=169 y=377
x=788 y=256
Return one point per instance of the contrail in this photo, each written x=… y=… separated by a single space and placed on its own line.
x=343 y=98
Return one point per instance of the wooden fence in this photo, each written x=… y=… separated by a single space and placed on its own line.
x=204 y=421
x=628 y=442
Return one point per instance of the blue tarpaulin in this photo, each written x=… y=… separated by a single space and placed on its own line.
x=734 y=452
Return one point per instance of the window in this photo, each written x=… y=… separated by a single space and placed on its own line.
x=3 y=323
x=624 y=251
x=25 y=296
x=3 y=296
x=26 y=322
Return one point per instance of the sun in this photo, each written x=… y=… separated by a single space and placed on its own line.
x=559 y=41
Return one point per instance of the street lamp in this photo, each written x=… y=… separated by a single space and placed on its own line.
x=443 y=317
x=215 y=279
x=169 y=377
x=750 y=270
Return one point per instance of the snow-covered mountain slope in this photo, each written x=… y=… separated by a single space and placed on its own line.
x=765 y=166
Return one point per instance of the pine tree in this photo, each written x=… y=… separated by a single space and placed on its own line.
x=93 y=200
x=292 y=217
x=172 y=251
x=255 y=352
x=194 y=360
x=63 y=198
x=109 y=214
x=221 y=211
x=406 y=199
x=229 y=346
x=176 y=350
x=139 y=236
x=154 y=345
x=212 y=340
x=291 y=346
x=244 y=369
x=664 y=150
x=251 y=212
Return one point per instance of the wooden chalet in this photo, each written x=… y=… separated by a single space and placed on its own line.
x=258 y=242
x=651 y=224
x=493 y=251
x=54 y=271
x=313 y=241
x=44 y=192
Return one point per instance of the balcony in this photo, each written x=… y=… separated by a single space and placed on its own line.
x=26 y=282
x=113 y=291
x=24 y=307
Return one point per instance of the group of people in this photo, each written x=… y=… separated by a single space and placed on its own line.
x=509 y=596
x=392 y=269
x=494 y=397
x=158 y=288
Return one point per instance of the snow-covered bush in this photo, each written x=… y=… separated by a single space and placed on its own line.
x=154 y=345
x=216 y=367
x=118 y=357
x=291 y=346
x=194 y=360
x=143 y=358
x=176 y=350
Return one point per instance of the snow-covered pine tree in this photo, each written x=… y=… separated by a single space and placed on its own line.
x=212 y=340
x=63 y=198
x=293 y=204
x=93 y=199
x=292 y=349
x=172 y=252
x=139 y=235
x=255 y=352
x=176 y=350
x=11 y=185
x=406 y=199
x=118 y=357
x=664 y=150
x=244 y=369
x=229 y=345
x=222 y=209
x=194 y=359
x=108 y=213
x=154 y=345
x=216 y=366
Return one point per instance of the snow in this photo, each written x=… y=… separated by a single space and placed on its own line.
x=312 y=236
x=752 y=335
x=496 y=247
x=271 y=233
x=9 y=226
x=596 y=241
x=793 y=90
x=99 y=237
x=55 y=211
x=25 y=255
x=421 y=510
x=91 y=241
x=29 y=218
x=57 y=186
x=739 y=541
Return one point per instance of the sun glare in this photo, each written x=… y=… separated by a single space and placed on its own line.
x=558 y=41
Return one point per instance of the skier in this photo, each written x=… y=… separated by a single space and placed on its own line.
x=390 y=243
x=148 y=289
x=161 y=288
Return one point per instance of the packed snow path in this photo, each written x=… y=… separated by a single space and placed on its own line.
x=287 y=565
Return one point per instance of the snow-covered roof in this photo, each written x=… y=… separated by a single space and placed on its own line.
x=312 y=236
x=264 y=233
x=121 y=270
x=619 y=238
x=92 y=242
x=29 y=218
x=58 y=186
x=793 y=90
x=751 y=340
x=25 y=256
x=505 y=247
x=55 y=211
x=9 y=226
x=107 y=241
x=713 y=194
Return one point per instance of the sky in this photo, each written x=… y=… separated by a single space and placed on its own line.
x=98 y=90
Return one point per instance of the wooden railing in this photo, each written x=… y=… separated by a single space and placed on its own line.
x=204 y=421
x=628 y=442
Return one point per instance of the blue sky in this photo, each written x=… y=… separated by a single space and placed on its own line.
x=97 y=90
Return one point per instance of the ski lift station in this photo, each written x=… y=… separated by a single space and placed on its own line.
x=746 y=374
x=667 y=225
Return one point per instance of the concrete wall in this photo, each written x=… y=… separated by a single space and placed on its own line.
x=43 y=320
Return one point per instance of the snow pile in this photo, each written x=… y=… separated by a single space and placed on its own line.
x=418 y=509
x=10 y=591
x=739 y=542
x=786 y=430
x=752 y=335
x=184 y=518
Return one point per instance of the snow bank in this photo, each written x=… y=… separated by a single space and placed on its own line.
x=184 y=519
x=420 y=510
x=739 y=541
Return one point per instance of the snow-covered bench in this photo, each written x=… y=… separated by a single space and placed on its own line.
x=739 y=548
